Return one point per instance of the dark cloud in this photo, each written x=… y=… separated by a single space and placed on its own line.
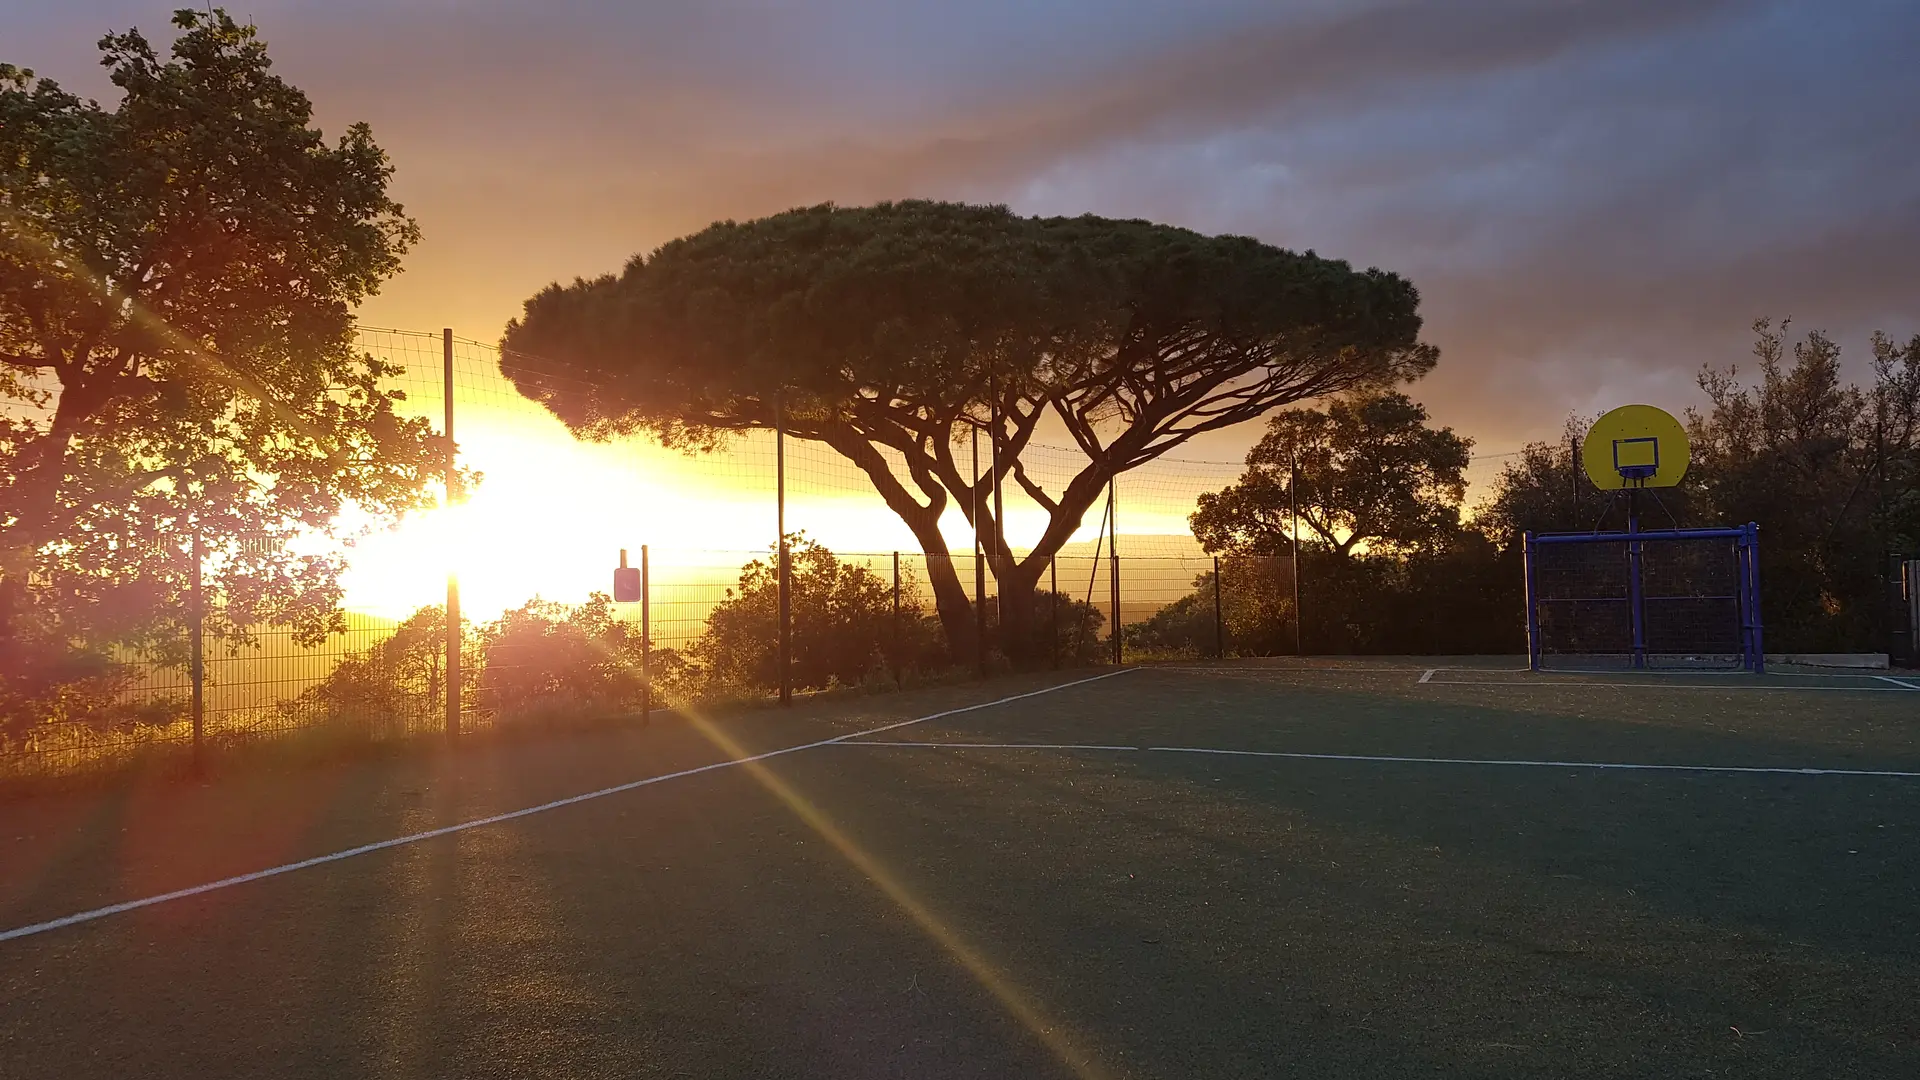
x=1595 y=195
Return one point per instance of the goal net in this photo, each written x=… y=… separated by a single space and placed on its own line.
x=1681 y=598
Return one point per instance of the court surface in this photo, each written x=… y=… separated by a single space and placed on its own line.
x=1251 y=869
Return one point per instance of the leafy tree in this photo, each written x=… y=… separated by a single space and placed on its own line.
x=1372 y=475
x=843 y=626
x=1829 y=469
x=1385 y=561
x=888 y=332
x=1461 y=594
x=177 y=275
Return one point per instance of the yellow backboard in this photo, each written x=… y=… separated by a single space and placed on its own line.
x=1635 y=446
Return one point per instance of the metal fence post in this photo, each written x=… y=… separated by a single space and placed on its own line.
x=453 y=575
x=898 y=681
x=1636 y=563
x=1219 y=623
x=979 y=568
x=1053 y=588
x=1533 y=614
x=1113 y=554
x=196 y=656
x=1293 y=509
x=999 y=531
x=646 y=641
x=1753 y=587
x=783 y=574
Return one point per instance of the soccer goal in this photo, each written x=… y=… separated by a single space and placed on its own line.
x=1676 y=598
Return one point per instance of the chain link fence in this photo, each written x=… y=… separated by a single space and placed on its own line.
x=532 y=544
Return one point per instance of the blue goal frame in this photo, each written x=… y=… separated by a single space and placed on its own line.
x=1621 y=603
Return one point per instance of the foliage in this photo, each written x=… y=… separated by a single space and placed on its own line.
x=399 y=681
x=843 y=626
x=1386 y=565
x=1063 y=627
x=57 y=683
x=1545 y=489
x=1542 y=489
x=1456 y=594
x=889 y=331
x=539 y=657
x=1371 y=475
x=1256 y=612
x=177 y=276
x=1831 y=471
x=543 y=656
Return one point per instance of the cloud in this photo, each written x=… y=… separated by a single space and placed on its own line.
x=1595 y=195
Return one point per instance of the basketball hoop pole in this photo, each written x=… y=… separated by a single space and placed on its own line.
x=1635 y=562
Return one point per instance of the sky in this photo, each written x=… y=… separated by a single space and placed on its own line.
x=1595 y=197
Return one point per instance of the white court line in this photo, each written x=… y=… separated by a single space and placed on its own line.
x=1295 y=669
x=1536 y=683
x=495 y=819
x=1691 y=673
x=1897 y=682
x=992 y=745
x=1537 y=764
x=1428 y=674
x=1617 y=765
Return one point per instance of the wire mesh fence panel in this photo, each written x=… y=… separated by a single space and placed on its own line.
x=1582 y=602
x=1691 y=597
x=549 y=490
x=1257 y=599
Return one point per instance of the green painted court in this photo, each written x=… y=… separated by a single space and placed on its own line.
x=1276 y=868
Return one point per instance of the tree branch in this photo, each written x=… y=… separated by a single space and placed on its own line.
x=1034 y=491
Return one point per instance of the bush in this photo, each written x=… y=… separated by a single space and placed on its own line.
x=45 y=679
x=1078 y=641
x=397 y=682
x=843 y=626
x=1256 y=606
x=538 y=658
x=544 y=657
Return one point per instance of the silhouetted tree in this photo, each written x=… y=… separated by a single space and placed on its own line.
x=890 y=331
x=1830 y=470
x=1372 y=476
x=177 y=277
x=1256 y=612
x=1543 y=489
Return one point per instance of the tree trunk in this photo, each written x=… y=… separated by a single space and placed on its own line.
x=949 y=597
x=38 y=494
x=1022 y=578
x=1018 y=579
x=950 y=601
x=1018 y=640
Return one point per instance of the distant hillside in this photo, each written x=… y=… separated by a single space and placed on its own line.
x=1143 y=545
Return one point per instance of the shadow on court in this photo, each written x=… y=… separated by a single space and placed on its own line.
x=891 y=910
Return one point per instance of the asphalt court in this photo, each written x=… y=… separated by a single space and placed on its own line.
x=1249 y=869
